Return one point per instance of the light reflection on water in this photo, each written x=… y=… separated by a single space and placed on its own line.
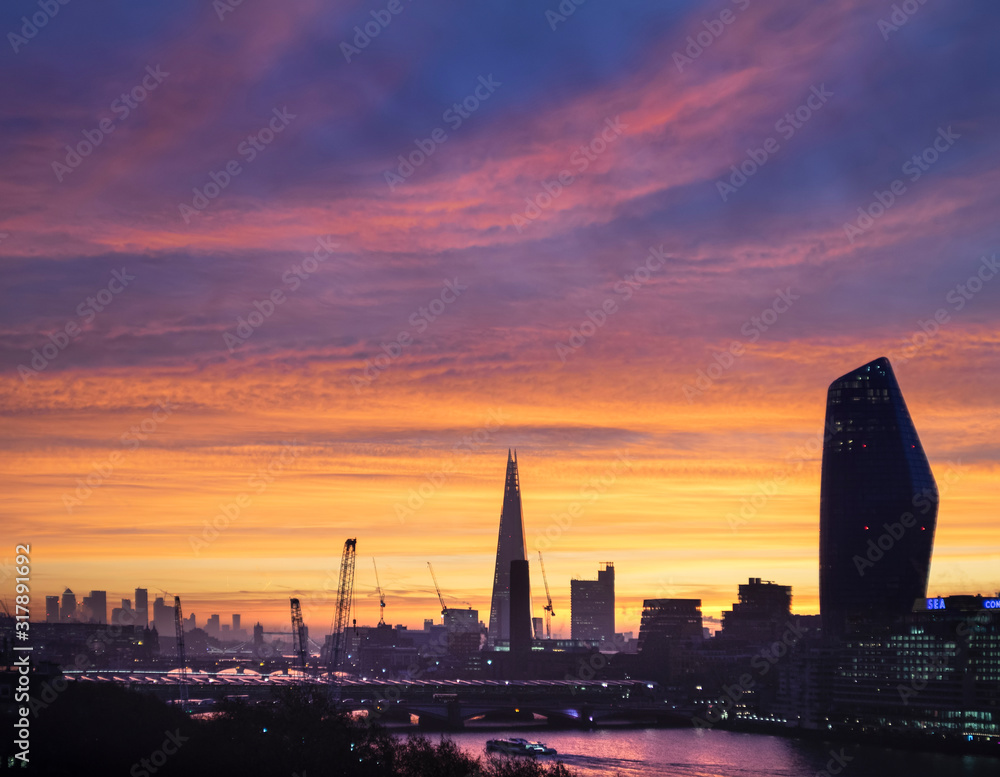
x=694 y=753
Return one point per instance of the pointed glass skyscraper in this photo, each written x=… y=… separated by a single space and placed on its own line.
x=510 y=547
x=878 y=502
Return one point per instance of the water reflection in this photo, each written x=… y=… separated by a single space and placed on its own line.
x=708 y=753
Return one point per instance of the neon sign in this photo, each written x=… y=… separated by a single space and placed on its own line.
x=935 y=604
x=991 y=604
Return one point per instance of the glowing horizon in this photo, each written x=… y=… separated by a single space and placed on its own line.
x=615 y=255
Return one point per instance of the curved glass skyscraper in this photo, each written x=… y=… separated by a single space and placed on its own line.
x=878 y=502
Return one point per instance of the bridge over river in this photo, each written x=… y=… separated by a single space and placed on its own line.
x=434 y=703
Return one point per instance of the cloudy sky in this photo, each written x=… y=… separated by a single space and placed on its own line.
x=318 y=266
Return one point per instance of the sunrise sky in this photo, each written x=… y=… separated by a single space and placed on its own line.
x=568 y=273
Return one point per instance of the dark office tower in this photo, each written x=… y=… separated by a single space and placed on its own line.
x=670 y=638
x=763 y=612
x=520 y=607
x=141 y=606
x=67 y=610
x=878 y=502
x=51 y=609
x=163 y=617
x=97 y=606
x=510 y=547
x=592 y=606
x=236 y=621
x=463 y=631
x=668 y=622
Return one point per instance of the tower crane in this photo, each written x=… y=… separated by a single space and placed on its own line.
x=437 y=588
x=298 y=634
x=381 y=596
x=549 y=612
x=179 y=627
x=345 y=601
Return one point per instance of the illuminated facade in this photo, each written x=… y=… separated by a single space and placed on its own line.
x=878 y=502
x=935 y=672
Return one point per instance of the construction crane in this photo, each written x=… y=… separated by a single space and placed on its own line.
x=381 y=596
x=549 y=612
x=437 y=588
x=298 y=634
x=179 y=627
x=345 y=602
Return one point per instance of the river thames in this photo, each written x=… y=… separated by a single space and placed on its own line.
x=706 y=753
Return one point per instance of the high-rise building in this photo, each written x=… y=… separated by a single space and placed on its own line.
x=878 y=502
x=95 y=607
x=463 y=630
x=670 y=638
x=592 y=606
x=124 y=615
x=51 y=609
x=520 y=607
x=510 y=547
x=236 y=622
x=67 y=610
x=163 y=618
x=142 y=606
x=212 y=626
x=669 y=621
x=763 y=611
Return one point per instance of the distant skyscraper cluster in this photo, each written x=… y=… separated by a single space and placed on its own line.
x=94 y=609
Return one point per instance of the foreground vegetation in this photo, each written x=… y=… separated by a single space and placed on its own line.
x=107 y=730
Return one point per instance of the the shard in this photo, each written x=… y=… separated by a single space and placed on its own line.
x=510 y=547
x=878 y=502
